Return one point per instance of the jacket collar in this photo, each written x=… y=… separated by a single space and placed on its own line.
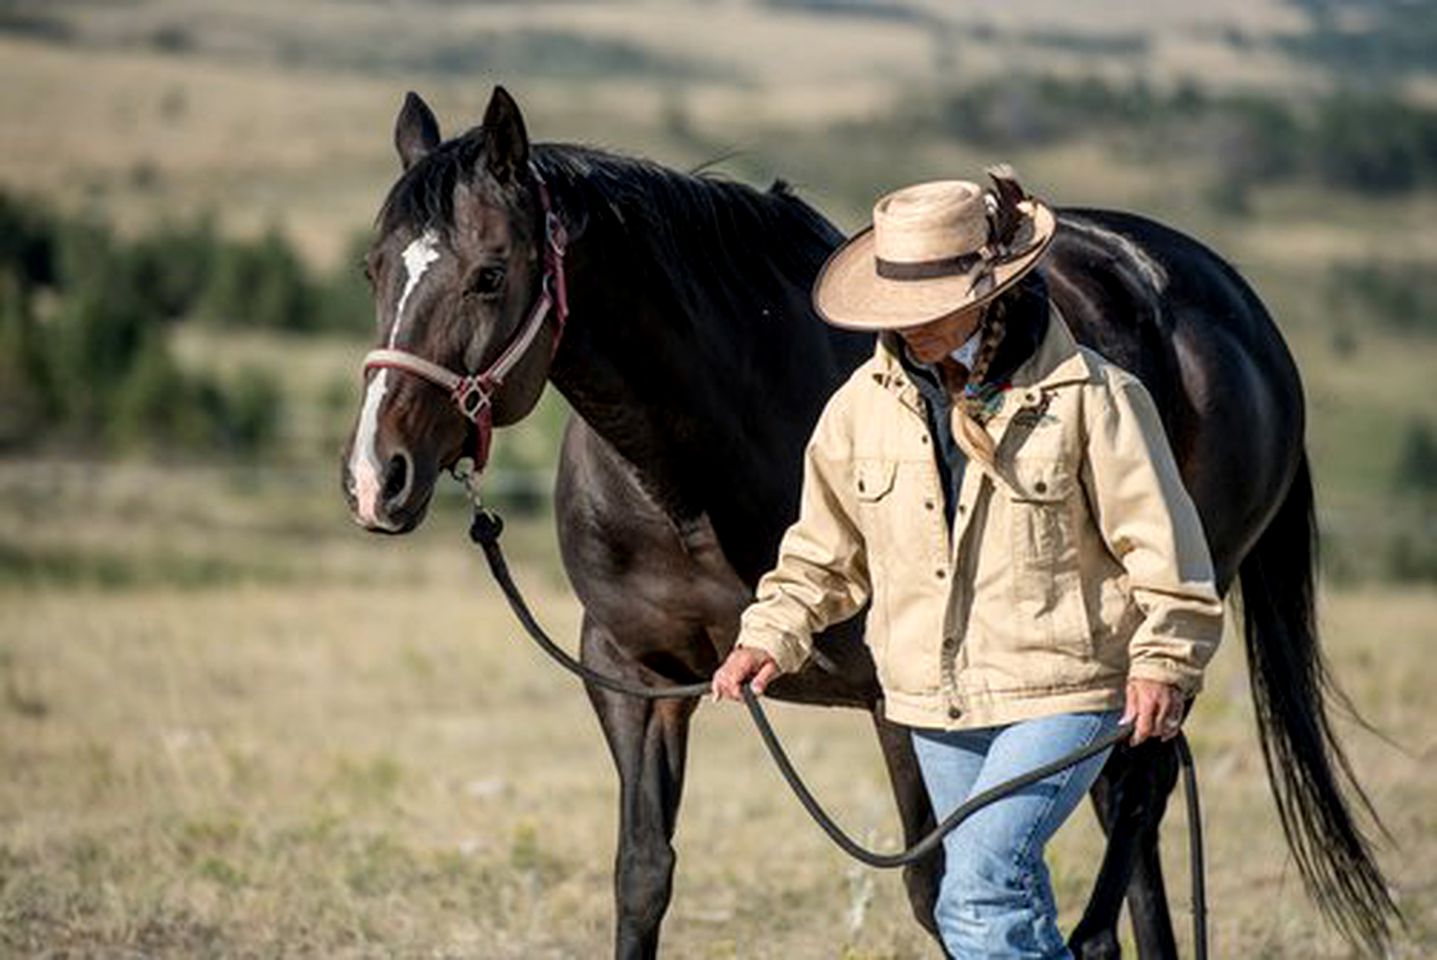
x=1056 y=362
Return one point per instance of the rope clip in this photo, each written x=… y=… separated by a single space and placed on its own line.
x=485 y=527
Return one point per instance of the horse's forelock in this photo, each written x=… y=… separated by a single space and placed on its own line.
x=423 y=196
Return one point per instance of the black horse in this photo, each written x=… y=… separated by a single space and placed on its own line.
x=696 y=367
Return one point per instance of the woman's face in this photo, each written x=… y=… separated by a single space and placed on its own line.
x=932 y=341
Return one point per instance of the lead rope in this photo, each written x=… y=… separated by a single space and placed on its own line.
x=485 y=530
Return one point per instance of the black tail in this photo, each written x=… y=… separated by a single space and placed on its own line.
x=1311 y=778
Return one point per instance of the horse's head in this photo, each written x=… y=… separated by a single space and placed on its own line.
x=463 y=269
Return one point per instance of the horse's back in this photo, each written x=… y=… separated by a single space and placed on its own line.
x=1166 y=307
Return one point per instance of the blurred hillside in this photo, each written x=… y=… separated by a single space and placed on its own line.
x=188 y=183
x=270 y=111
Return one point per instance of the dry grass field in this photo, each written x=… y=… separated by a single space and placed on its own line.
x=245 y=728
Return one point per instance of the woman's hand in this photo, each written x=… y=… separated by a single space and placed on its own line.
x=1155 y=709
x=743 y=663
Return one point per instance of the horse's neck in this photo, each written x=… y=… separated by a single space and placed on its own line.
x=682 y=417
x=609 y=370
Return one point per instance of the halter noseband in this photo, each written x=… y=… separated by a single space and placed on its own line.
x=474 y=393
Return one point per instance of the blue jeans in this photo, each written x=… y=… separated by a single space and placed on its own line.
x=996 y=899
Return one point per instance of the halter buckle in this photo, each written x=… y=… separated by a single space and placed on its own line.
x=471 y=396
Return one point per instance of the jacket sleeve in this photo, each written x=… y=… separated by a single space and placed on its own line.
x=1151 y=526
x=821 y=575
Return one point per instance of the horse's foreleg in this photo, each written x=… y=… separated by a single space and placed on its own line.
x=1130 y=797
x=921 y=879
x=648 y=740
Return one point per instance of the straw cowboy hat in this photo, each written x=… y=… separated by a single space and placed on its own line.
x=934 y=248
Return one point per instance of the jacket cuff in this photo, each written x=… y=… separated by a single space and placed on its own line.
x=1186 y=678
x=788 y=652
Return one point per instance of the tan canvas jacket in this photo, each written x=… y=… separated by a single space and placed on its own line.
x=1074 y=563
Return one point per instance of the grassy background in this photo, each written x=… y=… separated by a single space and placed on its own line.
x=323 y=746
x=230 y=723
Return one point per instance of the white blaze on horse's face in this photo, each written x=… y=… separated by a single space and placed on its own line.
x=364 y=463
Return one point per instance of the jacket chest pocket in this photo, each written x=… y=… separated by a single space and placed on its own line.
x=873 y=479
x=873 y=490
x=1042 y=540
x=1039 y=497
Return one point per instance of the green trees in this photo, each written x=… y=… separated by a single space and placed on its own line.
x=1370 y=141
x=84 y=322
x=260 y=284
x=1402 y=296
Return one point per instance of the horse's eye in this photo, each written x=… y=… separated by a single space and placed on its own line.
x=487 y=282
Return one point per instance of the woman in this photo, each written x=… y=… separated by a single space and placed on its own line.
x=1007 y=503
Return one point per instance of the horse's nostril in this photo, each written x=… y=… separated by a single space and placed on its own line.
x=396 y=478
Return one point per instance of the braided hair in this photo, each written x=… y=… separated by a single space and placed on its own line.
x=1029 y=293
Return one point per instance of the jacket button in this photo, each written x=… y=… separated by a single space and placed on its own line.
x=940 y=573
x=1041 y=487
x=954 y=713
x=860 y=486
x=928 y=504
x=924 y=438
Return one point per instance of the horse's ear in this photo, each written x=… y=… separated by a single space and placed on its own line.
x=506 y=144
x=416 y=132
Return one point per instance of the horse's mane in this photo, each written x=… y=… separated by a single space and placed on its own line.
x=754 y=245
